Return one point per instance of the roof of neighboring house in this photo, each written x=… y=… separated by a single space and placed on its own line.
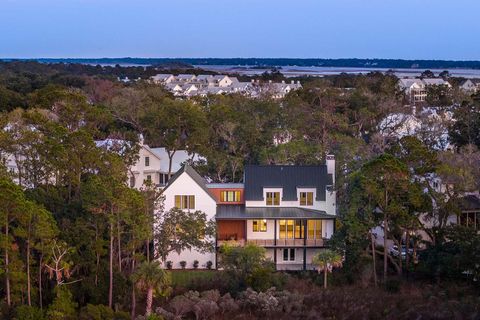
x=287 y=177
x=185 y=76
x=162 y=76
x=435 y=81
x=225 y=186
x=470 y=203
x=194 y=175
x=242 y=212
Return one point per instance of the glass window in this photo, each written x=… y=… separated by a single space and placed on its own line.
x=260 y=225
x=314 y=229
x=291 y=229
x=273 y=198
x=185 y=202
x=149 y=178
x=283 y=229
x=132 y=182
x=147 y=161
x=289 y=254
x=230 y=196
x=306 y=198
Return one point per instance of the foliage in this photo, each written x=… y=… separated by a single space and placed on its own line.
x=63 y=307
x=25 y=312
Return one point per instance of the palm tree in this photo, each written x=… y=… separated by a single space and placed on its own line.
x=150 y=277
x=326 y=260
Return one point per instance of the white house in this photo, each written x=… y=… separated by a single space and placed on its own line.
x=289 y=210
x=470 y=85
x=163 y=78
x=416 y=89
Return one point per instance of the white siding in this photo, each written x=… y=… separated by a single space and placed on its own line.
x=185 y=185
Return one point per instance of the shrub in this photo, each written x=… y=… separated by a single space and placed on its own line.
x=63 y=306
x=195 y=264
x=169 y=265
x=392 y=286
x=209 y=265
x=28 y=313
x=96 y=312
x=183 y=264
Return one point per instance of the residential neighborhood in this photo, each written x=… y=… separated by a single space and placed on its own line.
x=189 y=85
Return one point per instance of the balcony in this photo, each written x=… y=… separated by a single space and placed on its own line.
x=271 y=242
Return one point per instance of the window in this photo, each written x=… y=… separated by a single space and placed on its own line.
x=314 y=229
x=132 y=182
x=306 y=198
x=230 y=196
x=273 y=198
x=291 y=229
x=470 y=219
x=149 y=178
x=260 y=225
x=147 y=161
x=289 y=254
x=185 y=202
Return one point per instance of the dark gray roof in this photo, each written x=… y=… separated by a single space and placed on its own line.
x=287 y=177
x=194 y=175
x=470 y=203
x=242 y=212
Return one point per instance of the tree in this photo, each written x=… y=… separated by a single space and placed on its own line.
x=326 y=260
x=177 y=230
x=150 y=277
x=427 y=74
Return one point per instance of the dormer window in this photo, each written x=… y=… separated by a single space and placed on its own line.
x=306 y=198
x=273 y=198
x=230 y=196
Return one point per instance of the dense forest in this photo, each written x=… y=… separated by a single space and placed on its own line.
x=278 y=62
x=77 y=243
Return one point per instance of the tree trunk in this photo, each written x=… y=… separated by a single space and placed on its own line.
x=119 y=244
x=7 y=275
x=374 y=260
x=148 y=311
x=134 y=298
x=170 y=160
x=407 y=256
x=385 y=250
x=29 y=294
x=110 y=286
x=325 y=276
x=40 y=297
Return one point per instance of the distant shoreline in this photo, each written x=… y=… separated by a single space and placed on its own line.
x=272 y=62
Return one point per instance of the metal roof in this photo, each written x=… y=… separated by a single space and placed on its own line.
x=242 y=212
x=287 y=177
x=225 y=185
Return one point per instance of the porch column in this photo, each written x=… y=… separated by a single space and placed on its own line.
x=275 y=242
x=305 y=224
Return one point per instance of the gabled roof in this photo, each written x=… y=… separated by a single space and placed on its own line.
x=287 y=177
x=242 y=212
x=470 y=203
x=195 y=177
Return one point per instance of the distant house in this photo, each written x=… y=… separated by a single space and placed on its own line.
x=289 y=210
x=470 y=85
x=185 y=78
x=416 y=89
x=163 y=78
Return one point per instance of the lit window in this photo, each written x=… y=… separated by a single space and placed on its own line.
x=306 y=198
x=185 y=202
x=147 y=161
x=289 y=254
x=291 y=229
x=273 y=198
x=230 y=196
x=260 y=225
x=314 y=229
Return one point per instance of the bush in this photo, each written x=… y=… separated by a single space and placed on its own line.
x=28 y=313
x=96 y=312
x=169 y=265
x=209 y=265
x=183 y=264
x=392 y=286
x=195 y=264
x=63 y=306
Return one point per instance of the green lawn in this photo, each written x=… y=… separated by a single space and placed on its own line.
x=182 y=278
